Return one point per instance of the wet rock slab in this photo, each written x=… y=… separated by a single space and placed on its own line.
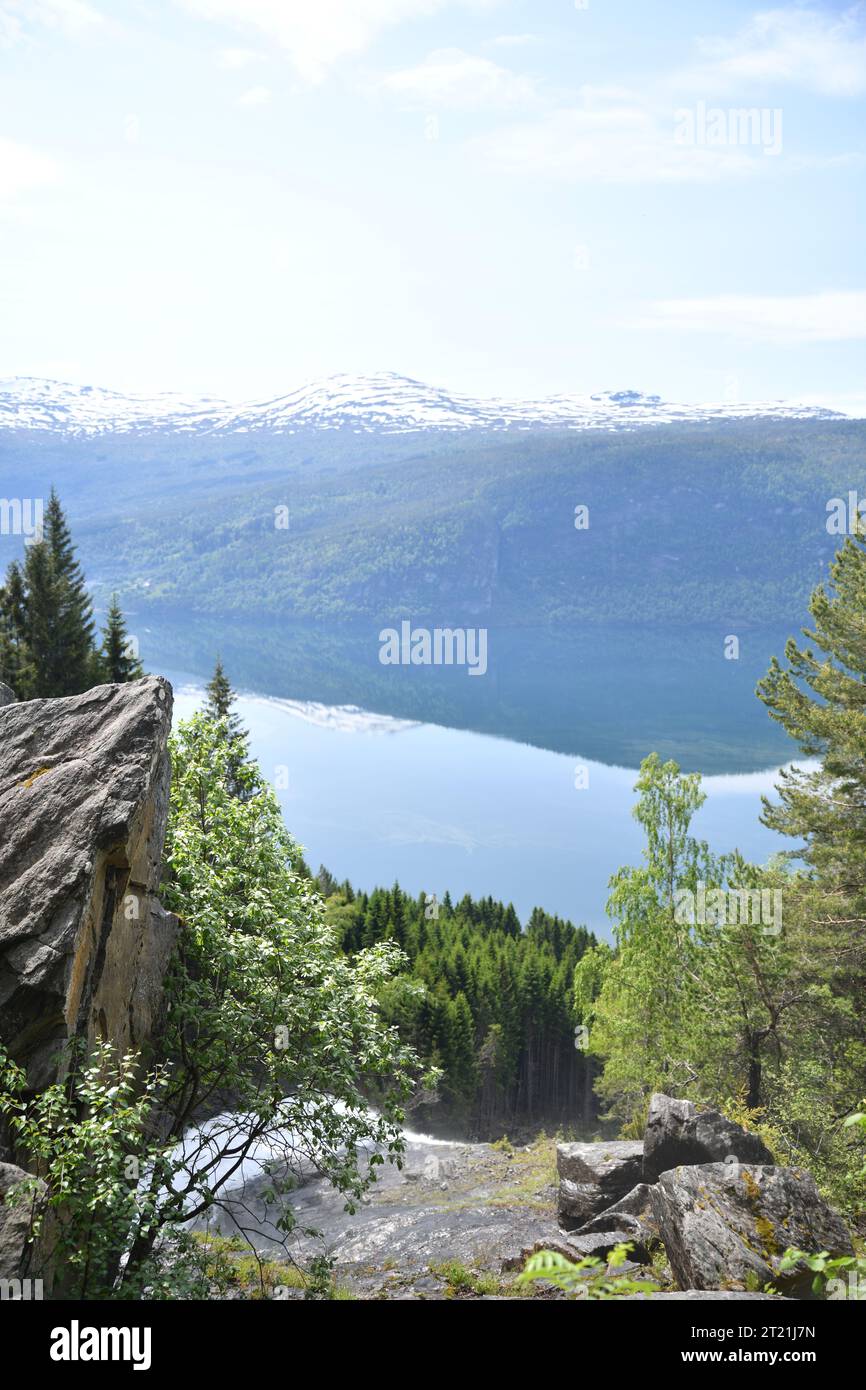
x=465 y=1204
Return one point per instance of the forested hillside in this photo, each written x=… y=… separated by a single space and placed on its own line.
x=723 y=522
x=496 y=1014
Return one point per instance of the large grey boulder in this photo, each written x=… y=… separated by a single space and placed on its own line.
x=84 y=941
x=729 y=1223
x=7 y=696
x=679 y=1133
x=594 y=1176
x=633 y=1214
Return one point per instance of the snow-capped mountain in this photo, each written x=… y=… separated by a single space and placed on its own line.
x=383 y=403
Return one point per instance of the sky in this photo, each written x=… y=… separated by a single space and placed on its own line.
x=502 y=197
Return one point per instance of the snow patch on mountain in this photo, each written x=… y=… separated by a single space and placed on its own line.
x=382 y=403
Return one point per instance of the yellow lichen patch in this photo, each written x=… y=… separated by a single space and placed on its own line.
x=767 y=1233
x=40 y=772
x=763 y=1227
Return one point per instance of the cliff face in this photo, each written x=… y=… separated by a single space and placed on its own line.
x=84 y=941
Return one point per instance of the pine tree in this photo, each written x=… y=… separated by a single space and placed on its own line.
x=46 y=618
x=325 y=882
x=461 y=1067
x=42 y=612
x=16 y=668
x=221 y=700
x=820 y=700
x=119 y=665
x=73 y=661
x=219 y=705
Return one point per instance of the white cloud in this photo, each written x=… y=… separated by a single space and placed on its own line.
x=17 y=17
x=315 y=34
x=256 y=96
x=233 y=59
x=831 y=316
x=609 y=139
x=450 y=78
x=851 y=403
x=607 y=134
x=807 y=47
x=513 y=40
x=23 y=169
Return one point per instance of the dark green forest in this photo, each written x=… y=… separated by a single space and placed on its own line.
x=48 y=641
x=496 y=1014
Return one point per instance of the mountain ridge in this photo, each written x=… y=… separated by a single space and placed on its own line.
x=383 y=402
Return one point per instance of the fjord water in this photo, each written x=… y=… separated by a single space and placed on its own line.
x=517 y=785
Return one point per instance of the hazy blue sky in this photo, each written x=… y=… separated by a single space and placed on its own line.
x=500 y=196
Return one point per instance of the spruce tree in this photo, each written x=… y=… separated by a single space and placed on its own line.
x=219 y=705
x=119 y=665
x=461 y=1068
x=44 y=594
x=16 y=669
x=221 y=699
x=72 y=647
x=46 y=621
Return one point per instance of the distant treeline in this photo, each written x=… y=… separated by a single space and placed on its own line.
x=497 y=1010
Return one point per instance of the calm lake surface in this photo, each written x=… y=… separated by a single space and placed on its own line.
x=468 y=784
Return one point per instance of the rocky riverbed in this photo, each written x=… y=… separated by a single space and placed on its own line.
x=703 y=1207
x=455 y=1221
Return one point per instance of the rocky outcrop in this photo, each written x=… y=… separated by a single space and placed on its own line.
x=728 y=1223
x=632 y=1214
x=723 y=1211
x=7 y=696
x=678 y=1132
x=15 y=1221
x=84 y=941
x=594 y=1176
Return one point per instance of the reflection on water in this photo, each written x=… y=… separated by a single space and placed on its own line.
x=609 y=695
x=435 y=808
